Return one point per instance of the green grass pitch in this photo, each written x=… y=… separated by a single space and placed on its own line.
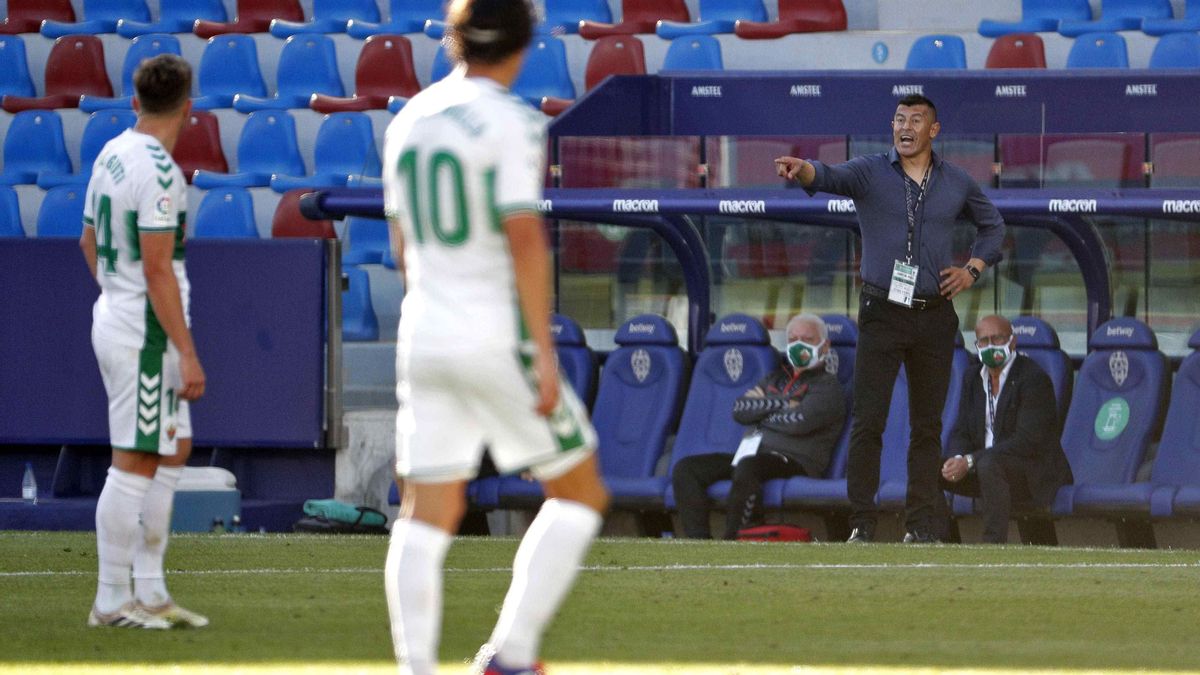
x=314 y=604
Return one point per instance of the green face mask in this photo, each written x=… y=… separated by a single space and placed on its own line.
x=801 y=354
x=995 y=357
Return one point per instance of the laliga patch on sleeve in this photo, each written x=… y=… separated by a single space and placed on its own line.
x=164 y=212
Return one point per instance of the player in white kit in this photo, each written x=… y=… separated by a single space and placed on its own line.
x=463 y=168
x=134 y=220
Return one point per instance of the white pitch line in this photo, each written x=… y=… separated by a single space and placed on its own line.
x=662 y=568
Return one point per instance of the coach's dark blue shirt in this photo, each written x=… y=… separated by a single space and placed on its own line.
x=876 y=184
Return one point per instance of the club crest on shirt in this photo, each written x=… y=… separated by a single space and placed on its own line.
x=733 y=364
x=171 y=433
x=162 y=211
x=1118 y=367
x=640 y=362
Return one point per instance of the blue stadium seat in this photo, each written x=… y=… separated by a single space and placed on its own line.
x=931 y=52
x=140 y=48
x=14 y=68
x=715 y=16
x=345 y=147
x=100 y=16
x=61 y=214
x=404 y=16
x=267 y=147
x=396 y=103
x=737 y=354
x=1116 y=409
x=34 y=144
x=1098 y=50
x=563 y=16
x=102 y=127
x=1038 y=16
x=696 y=52
x=175 y=16
x=10 y=214
x=1188 y=23
x=441 y=65
x=1037 y=340
x=228 y=67
x=225 y=213
x=1118 y=15
x=575 y=358
x=358 y=317
x=1176 y=50
x=328 y=16
x=545 y=72
x=307 y=65
x=366 y=241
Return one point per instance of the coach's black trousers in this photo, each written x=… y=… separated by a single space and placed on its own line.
x=890 y=335
x=693 y=475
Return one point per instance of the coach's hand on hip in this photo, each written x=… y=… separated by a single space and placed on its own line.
x=955 y=280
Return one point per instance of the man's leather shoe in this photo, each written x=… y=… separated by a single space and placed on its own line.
x=920 y=537
x=861 y=535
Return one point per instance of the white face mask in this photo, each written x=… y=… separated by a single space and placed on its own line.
x=803 y=354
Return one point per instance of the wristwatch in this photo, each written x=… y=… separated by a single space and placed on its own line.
x=972 y=271
x=970 y=462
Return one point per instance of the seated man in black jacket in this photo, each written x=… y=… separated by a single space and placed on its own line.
x=1006 y=439
x=793 y=418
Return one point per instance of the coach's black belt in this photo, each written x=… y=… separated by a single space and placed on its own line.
x=919 y=303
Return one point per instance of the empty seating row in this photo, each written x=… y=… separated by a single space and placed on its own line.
x=1073 y=18
x=1026 y=50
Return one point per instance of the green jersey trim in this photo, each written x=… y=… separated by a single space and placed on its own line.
x=149 y=396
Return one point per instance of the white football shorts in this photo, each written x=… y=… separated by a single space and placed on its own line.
x=144 y=410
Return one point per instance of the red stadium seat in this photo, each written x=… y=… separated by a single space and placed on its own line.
x=289 y=222
x=796 y=16
x=199 y=146
x=253 y=16
x=612 y=55
x=385 y=68
x=1017 y=50
x=637 y=16
x=26 y=16
x=75 y=67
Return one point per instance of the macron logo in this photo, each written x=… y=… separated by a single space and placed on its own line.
x=1181 y=206
x=556 y=329
x=709 y=91
x=806 y=90
x=1072 y=206
x=545 y=205
x=1025 y=330
x=645 y=328
x=1119 y=331
x=733 y=328
x=1010 y=91
x=908 y=89
x=742 y=206
x=1141 y=90
x=635 y=205
x=841 y=206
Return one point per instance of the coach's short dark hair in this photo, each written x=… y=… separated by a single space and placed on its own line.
x=918 y=99
x=488 y=31
x=162 y=83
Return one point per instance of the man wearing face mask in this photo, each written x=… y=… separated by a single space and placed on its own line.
x=793 y=417
x=1006 y=438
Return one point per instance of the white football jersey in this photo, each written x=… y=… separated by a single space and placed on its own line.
x=459 y=157
x=135 y=187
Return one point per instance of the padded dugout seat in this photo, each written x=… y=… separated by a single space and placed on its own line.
x=175 y=16
x=796 y=16
x=267 y=147
x=1038 y=340
x=715 y=16
x=99 y=16
x=34 y=144
x=577 y=360
x=26 y=16
x=1017 y=50
x=637 y=16
x=1038 y=16
x=307 y=65
x=345 y=147
x=253 y=16
x=140 y=49
x=75 y=67
x=1116 y=15
x=384 y=69
x=102 y=127
x=612 y=55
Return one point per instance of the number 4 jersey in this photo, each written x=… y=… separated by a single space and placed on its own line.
x=135 y=187
x=460 y=157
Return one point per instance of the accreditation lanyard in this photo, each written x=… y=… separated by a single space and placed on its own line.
x=911 y=208
x=991 y=410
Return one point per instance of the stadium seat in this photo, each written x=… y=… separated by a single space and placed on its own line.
x=1038 y=16
x=267 y=146
x=796 y=16
x=14 y=68
x=576 y=360
x=384 y=69
x=61 y=214
x=228 y=67
x=34 y=144
x=1038 y=340
x=253 y=16
x=931 y=52
x=1088 y=162
x=1098 y=50
x=359 y=323
x=612 y=55
x=1116 y=408
x=26 y=16
x=441 y=65
x=545 y=72
x=637 y=16
x=140 y=49
x=10 y=213
x=225 y=213
x=101 y=127
x=737 y=354
x=199 y=146
x=715 y=16
x=696 y=52
x=564 y=16
x=307 y=65
x=1017 y=50
x=175 y=16
x=74 y=67
x=396 y=103
x=1188 y=23
x=345 y=146
x=1176 y=50
x=100 y=16
x=1118 y=15
x=289 y=222
x=1176 y=162
x=366 y=241
x=328 y=16
x=404 y=16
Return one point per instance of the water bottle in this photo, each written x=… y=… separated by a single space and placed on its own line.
x=29 y=485
x=235 y=524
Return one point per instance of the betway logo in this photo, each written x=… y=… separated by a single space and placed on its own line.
x=733 y=328
x=1141 y=90
x=741 y=206
x=1181 y=206
x=1072 y=206
x=834 y=328
x=1113 y=331
x=647 y=328
x=841 y=206
x=545 y=205
x=635 y=205
x=707 y=91
x=1025 y=330
x=908 y=89
x=556 y=328
x=1010 y=91
x=806 y=90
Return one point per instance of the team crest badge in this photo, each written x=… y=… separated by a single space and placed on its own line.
x=171 y=433
x=733 y=364
x=831 y=362
x=640 y=362
x=1118 y=367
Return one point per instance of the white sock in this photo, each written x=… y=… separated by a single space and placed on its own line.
x=413 y=582
x=543 y=570
x=117 y=531
x=149 y=585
